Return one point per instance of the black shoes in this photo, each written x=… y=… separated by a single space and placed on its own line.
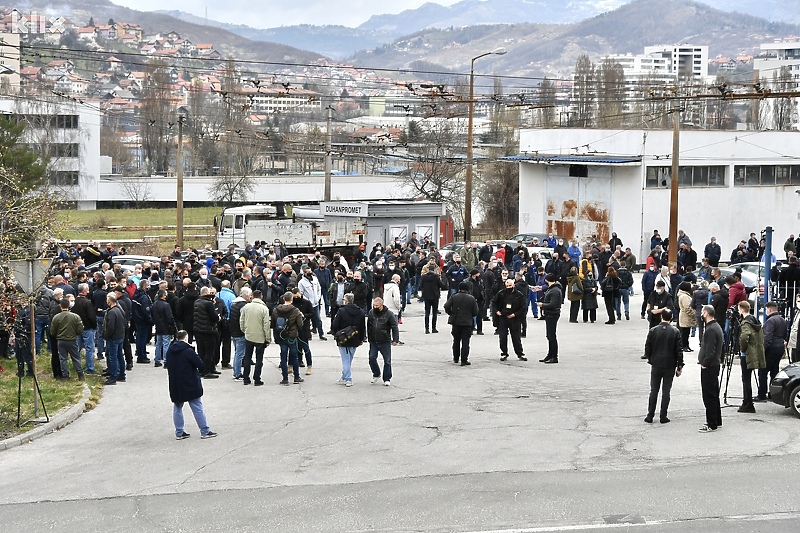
x=129 y=366
x=550 y=360
x=182 y=436
x=664 y=420
x=143 y=361
x=323 y=338
x=643 y=357
x=503 y=356
x=746 y=408
x=522 y=357
x=427 y=331
x=284 y=382
x=479 y=333
x=465 y=363
x=298 y=379
x=258 y=383
x=455 y=359
x=157 y=364
x=210 y=376
x=435 y=330
x=110 y=382
x=609 y=322
x=227 y=367
x=209 y=435
x=246 y=381
x=648 y=419
x=760 y=399
x=627 y=316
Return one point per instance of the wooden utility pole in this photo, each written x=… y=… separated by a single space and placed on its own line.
x=179 y=176
x=328 y=156
x=673 y=200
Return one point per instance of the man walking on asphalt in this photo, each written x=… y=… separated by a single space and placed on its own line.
x=382 y=334
x=462 y=308
x=774 y=346
x=254 y=322
x=664 y=352
x=510 y=310
x=184 y=386
x=709 y=358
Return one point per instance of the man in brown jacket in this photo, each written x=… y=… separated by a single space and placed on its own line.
x=287 y=320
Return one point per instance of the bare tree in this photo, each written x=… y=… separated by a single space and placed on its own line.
x=437 y=171
x=610 y=80
x=157 y=116
x=546 y=104
x=583 y=92
x=783 y=109
x=111 y=145
x=137 y=190
x=498 y=183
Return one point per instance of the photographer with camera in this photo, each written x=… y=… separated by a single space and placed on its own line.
x=751 y=344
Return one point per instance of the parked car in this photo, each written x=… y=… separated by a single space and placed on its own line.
x=785 y=388
x=544 y=253
x=527 y=238
x=126 y=262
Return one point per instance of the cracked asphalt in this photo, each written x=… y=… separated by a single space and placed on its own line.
x=511 y=446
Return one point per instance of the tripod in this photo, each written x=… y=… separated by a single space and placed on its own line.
x=731 y=352
x=22 y=348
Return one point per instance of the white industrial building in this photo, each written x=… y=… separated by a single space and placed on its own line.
x=579 y=182
x=776 y=55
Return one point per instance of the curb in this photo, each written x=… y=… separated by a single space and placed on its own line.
x=57 y=421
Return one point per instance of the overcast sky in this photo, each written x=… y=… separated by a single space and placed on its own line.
x=272 y=13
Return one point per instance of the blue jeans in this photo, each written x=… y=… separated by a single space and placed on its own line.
x=41 y=326
x=142 y=334
x=347 y=353
x=116 y=359
x=624 y=298
x=318 y=321
x=99 y=341
x=162 y=345
x=385 y=348
x=532 y=302
x=289 y=356
x=199 y=416
x=325 y=301
x=86 y=341
x=238 y=355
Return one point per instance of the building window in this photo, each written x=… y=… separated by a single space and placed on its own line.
x=64 y=150
x=710 y=176
x=765 y=175
x=64 y=178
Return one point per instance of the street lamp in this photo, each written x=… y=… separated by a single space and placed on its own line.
x=471 y=102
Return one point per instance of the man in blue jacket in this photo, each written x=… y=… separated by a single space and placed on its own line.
x=185 y=386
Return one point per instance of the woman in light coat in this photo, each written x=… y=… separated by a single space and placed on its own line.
x=686 y=316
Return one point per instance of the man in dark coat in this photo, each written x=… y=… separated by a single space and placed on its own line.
x=463 y=309
x=142 y=320
x=710 y=358
x=509 y=305
x=185 y=386
x=165 y=326
x=664 y=352
x=205 y=322
x=551 y=307
x=184 y=310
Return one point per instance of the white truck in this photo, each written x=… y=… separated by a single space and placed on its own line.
x=299 y=229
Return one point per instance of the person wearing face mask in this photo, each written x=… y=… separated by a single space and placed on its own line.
x=456 y=273
x=204 y=281
x=376 y=250
x=336 y=291
x=775 y=330
x=509 y=305
x=312 y=291
x=659 y=300
x=648 y=286
x=710 y=358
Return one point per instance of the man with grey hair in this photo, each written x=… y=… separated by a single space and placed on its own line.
x=85 y=310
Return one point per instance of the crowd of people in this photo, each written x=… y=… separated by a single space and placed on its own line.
x=232 y=304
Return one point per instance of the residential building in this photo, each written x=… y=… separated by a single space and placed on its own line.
x=684 y=60
x=777 y=55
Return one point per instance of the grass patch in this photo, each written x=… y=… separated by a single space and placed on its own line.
x=86 y=225
x=56 y=394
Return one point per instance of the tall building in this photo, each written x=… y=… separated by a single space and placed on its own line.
x=776 y=55
x=683 y=59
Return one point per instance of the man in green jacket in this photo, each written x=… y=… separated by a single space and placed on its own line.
x=66 y=326
x=751 y=344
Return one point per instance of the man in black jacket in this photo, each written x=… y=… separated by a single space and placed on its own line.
x=142 y=320
x=478 y=291
x=205 y=319
x=659 y=300
x=114 y=335
x=83 y=308
x=710 y=358
x=382 y=334
x=165 y=326
x=551 y=307
x=463 y=309
x=304 y=334
x=775 y=335
x=184 y=315
x=664 y=352
x=509 y=305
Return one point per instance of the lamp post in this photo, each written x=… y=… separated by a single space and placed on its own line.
x=471 y=103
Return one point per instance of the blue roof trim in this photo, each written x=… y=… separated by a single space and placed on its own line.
x=573 y=159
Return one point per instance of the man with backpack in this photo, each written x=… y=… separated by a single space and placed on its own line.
x=287 y=321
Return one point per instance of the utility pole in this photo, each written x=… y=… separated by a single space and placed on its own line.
x=673 y=200
x=179 y=176
x=328 y=156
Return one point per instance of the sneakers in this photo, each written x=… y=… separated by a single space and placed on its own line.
x=258 y=383
x=465 y=363
x=110 y=382
x=705 y=428
x=648 y=419
x=340 y=381
x=503 y=356
x=387 y=383
x=551 y=361
x=664 y=420
x=522 y=358
x=284 y=382
x=348 y=383
x=375 y=379
x=435 y=330
x=308 y=371
x=627 y=316
x=298 y=379
x=209 y=435
x=157 y=364
x=182 y=436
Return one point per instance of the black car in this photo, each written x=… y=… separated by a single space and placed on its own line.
x=785 y=388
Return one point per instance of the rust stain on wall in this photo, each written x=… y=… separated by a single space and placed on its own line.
x=551 y=208
x=562 y=228
x=594 y=212
x=569 y=209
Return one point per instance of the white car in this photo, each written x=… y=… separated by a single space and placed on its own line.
x=126 y=262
